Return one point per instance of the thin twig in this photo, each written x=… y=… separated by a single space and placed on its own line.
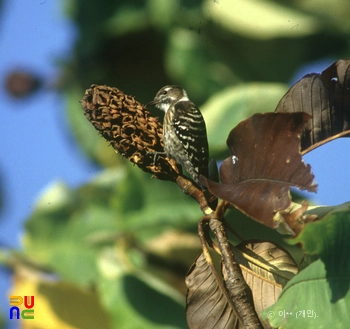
x=204 y=237
x=239 y=290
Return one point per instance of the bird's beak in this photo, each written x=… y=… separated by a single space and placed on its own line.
x=153 y=103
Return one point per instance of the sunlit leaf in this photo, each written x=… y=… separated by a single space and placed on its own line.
x=261 y=19
x=336 y=11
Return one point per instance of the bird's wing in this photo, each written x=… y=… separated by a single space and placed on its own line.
x=190 y=128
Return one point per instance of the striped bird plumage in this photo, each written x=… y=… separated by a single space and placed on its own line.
x=184 y=130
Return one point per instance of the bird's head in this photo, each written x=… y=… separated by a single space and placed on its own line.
x=167 y=96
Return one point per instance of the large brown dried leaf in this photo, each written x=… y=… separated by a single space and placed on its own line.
x=265 y=163
x=208 y=303
x=326 y=97
x=266 y=268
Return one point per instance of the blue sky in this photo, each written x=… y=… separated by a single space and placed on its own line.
x=35 y=149
x=34 y=35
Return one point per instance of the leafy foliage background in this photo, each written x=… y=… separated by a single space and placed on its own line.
x=121 y=245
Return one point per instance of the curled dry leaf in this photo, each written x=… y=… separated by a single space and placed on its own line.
x=264 y=164
x=295 y=217
x=208 y=303
x=326 y=97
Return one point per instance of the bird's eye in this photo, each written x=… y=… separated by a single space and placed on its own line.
x=164 y=92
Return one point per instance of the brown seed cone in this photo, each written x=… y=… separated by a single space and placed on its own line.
x=130 y=129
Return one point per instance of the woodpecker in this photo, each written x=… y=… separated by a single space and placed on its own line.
x=184 y=131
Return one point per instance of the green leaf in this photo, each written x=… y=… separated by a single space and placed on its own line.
x=58 y=232
x=153 y=205
x=335 y=12
x=305 y=302
x=163 y=13
x=323 y=286
x=261 y=19
x=187 y=55
x=93 y=18
x=165 y=205
x=127 y=18
x=134 y=304
x=328 y=238
x=69 y=228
